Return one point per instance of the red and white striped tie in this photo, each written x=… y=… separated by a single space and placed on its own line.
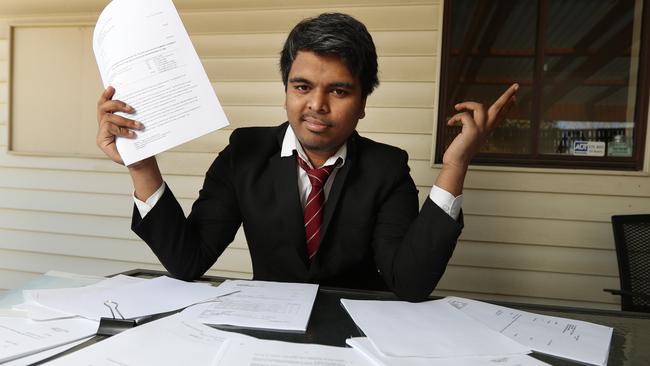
x=313 y=211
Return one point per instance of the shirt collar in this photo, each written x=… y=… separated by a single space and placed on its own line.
x=290 y=144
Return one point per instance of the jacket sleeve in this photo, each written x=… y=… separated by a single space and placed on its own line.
x=412 y=249
x=188 y=247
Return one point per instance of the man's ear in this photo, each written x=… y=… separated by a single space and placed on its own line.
x=362 y=110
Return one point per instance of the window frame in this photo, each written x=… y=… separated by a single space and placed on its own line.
x=535 y=159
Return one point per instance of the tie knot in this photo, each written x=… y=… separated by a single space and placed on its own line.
x=317 y=176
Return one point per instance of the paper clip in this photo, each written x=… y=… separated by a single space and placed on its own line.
x=111 y=326
x=112 y=304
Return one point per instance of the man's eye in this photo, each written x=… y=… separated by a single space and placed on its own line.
x=301 y=87
x=339 y=92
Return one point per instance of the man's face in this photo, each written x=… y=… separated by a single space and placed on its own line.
x=323 y=103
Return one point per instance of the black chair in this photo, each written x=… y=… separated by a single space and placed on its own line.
x=632 y=239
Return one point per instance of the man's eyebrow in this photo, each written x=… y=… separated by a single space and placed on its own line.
x=299 y=80
x=344 y=85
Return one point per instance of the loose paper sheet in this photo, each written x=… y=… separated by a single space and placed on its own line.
x=259 y=304
x=247 y=352
x=40 y=356
x=566 y=338
x=143 y=50
x=133 y=299
x=21 y=337
x=169 y=341
x=365 y=346
x=427 y=329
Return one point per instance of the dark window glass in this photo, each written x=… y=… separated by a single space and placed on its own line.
x=582 y=70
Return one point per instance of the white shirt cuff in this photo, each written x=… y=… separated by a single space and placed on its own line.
x=446 y=201
x=145 y=207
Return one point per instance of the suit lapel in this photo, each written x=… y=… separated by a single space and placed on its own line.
x=285 y=185
x=337 y=187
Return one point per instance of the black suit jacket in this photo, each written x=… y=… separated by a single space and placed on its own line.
x=372 y=235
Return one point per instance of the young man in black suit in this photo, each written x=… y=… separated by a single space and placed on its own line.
x=318 y=202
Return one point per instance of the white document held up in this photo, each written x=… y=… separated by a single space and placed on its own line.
x=144 y=52
x=259 y=304
x=427 y=329
x=565 y=338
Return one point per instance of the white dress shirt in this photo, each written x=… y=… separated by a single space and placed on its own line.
x=445 y=200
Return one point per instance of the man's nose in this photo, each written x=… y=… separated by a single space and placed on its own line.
x=318 y=101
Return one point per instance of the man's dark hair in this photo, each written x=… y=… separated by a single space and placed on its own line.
x=334 y=34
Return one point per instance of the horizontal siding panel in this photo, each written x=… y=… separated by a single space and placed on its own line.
x=90 y=182
x=266 y=69
x=4 y=48
x=529 y=283
x=76 y=246
x=66 y=202
x=4 y=113
x=4 y=69
x=41 y=263
x=407 y=69
x=169 y=162
x=402 y=43
x=4 y=136
x=29 y=7
x=529 y=300
x=551 y=206
x=593 y=182
x=397 y=120
x=417 y=17
x=417 y=146
x=118 y=228
x=536 y=258
x=4 y=93
x=60 y=180
x=596 y=184
x=63 y=223
x=512 y=230
x=234 y=258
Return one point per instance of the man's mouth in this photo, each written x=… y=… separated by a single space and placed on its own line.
x=314 y=124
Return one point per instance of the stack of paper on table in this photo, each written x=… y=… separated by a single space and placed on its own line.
x=21 y=337
x=53 y=317
x=259 y=304
x=175 y=341
x=427 y=329
x=132 y=297
x=368 y=349
x=566 y=338
x=26 y=341
x=455 y=330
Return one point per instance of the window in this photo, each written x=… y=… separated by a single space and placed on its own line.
x=583 y=74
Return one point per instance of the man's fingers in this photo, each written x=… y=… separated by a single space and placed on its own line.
x=476 y=108
x=120 y=131
x=107 y=94
x=112 y=106
x=462 y=118
x=505 y=101
x=122 y=122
